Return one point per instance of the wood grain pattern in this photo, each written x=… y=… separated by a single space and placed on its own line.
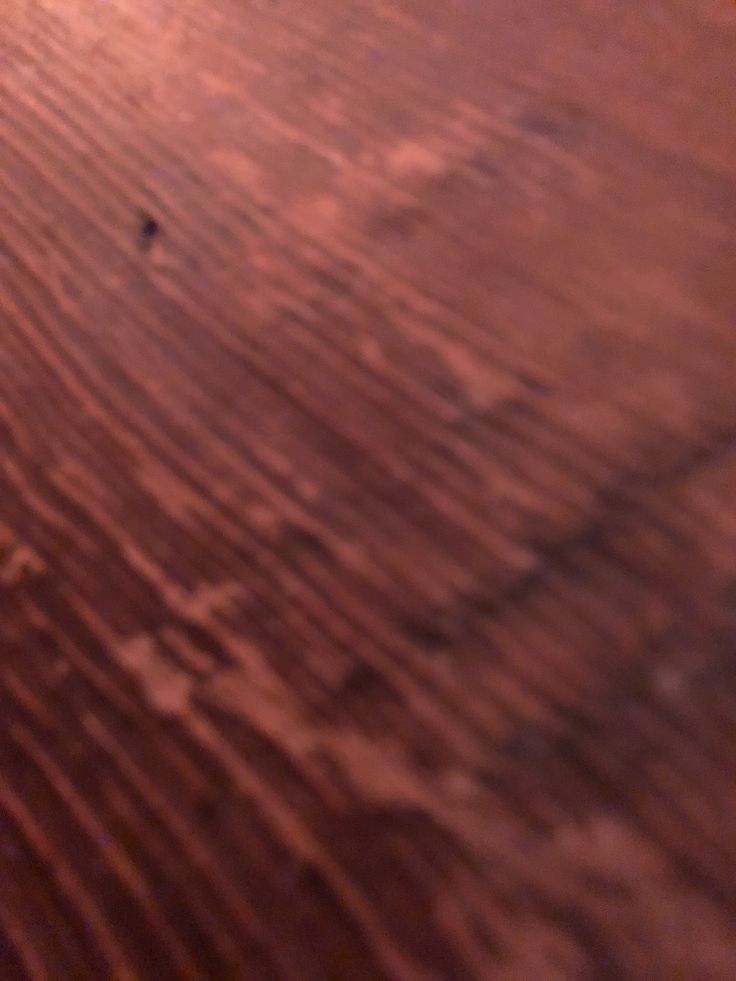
x=368 y=490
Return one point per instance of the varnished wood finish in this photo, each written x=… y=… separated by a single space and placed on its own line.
x=367 y=517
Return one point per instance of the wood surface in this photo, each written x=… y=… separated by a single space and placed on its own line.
x=368 y=490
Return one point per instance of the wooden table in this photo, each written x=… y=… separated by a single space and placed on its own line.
x=367 y=490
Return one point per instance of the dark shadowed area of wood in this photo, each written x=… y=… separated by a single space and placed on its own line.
x=367 y=490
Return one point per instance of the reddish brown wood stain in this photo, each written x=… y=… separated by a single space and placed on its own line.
x=367 y=517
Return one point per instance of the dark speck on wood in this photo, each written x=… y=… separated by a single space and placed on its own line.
x=388 y=532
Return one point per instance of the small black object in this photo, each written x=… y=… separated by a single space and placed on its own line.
x=149 y=229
